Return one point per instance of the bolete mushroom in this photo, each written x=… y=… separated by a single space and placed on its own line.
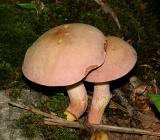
x=120 y=59
x=63 y=56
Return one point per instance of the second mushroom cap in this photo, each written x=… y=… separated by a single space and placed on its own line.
x=120 y=59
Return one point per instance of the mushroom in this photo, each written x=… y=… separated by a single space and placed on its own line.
x=63 y=56
x=120 y=59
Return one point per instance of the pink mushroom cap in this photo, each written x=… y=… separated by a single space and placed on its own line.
x=64 y=55
x=120 y=59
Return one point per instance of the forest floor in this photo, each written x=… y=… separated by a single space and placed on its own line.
x=131 y=108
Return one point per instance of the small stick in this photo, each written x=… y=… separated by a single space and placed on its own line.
x=105 y=7
x=66 y=123
x=117 y=106
x=124 y=101
x=34 y=110
x=52 y=119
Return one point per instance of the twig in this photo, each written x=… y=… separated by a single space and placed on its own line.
x=113 y=104
x=34 y=110
x=52 y=119
x=66 y=123
x=124 y=101
x=105 y=7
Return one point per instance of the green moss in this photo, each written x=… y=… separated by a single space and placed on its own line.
x=15 y=93
x=61 y=134
x=57 y=103
x=31 y=125
x=16 y=34
x=9 y=76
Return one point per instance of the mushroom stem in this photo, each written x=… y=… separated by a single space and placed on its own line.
x=100 y=100
x=78 y=101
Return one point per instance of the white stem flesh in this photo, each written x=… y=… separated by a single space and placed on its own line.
x=78 y=99
x=101 y=98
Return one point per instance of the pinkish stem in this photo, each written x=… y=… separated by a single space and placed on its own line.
x=101 y=98
x=78 y=100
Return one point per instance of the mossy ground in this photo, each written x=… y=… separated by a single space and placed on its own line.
x=19 y=28
x=31 y=125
